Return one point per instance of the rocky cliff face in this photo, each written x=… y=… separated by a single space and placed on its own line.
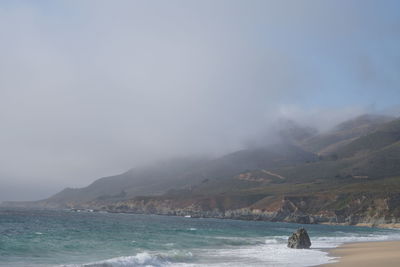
x=340 y=209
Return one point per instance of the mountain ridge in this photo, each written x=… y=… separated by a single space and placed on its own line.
x=297 y=181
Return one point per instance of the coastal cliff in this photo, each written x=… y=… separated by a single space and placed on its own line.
x=349 y=175
x=359 y=209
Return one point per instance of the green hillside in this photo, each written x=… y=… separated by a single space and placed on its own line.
x=351 y=175
x=165 y=176
x=383 y=136
x=344 y=133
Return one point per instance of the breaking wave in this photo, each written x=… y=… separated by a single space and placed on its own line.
x=138 y=260
x=271 y=252
x=141 y=259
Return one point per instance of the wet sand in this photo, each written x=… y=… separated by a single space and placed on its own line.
x=368 y=254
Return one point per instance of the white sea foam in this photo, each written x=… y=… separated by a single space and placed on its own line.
x=271 y=241
x=273 y=252
x=334 y=241
x=143 y=259
x=139 y=260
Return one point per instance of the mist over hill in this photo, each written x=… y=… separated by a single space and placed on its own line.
x=340 y=176
x=91 y=89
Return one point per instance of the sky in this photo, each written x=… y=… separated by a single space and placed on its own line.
x=93 y=88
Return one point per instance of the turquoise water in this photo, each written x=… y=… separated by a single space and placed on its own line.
x=62 y=238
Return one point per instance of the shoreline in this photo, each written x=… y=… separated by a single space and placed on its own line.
x=369 y=225
x=394 y=225
x=366 y=254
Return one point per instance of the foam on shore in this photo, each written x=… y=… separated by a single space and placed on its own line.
x=271 y=252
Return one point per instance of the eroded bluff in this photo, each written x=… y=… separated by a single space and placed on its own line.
x=342 y=208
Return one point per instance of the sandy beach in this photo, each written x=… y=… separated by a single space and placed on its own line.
x=367 y=254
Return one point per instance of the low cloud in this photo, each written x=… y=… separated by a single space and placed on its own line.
x=89 y=89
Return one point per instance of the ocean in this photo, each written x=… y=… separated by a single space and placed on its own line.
x=32 y=238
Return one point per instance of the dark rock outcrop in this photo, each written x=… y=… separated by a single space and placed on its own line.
x=299 y=239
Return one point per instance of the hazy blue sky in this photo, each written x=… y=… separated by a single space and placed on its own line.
x=92 y=88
